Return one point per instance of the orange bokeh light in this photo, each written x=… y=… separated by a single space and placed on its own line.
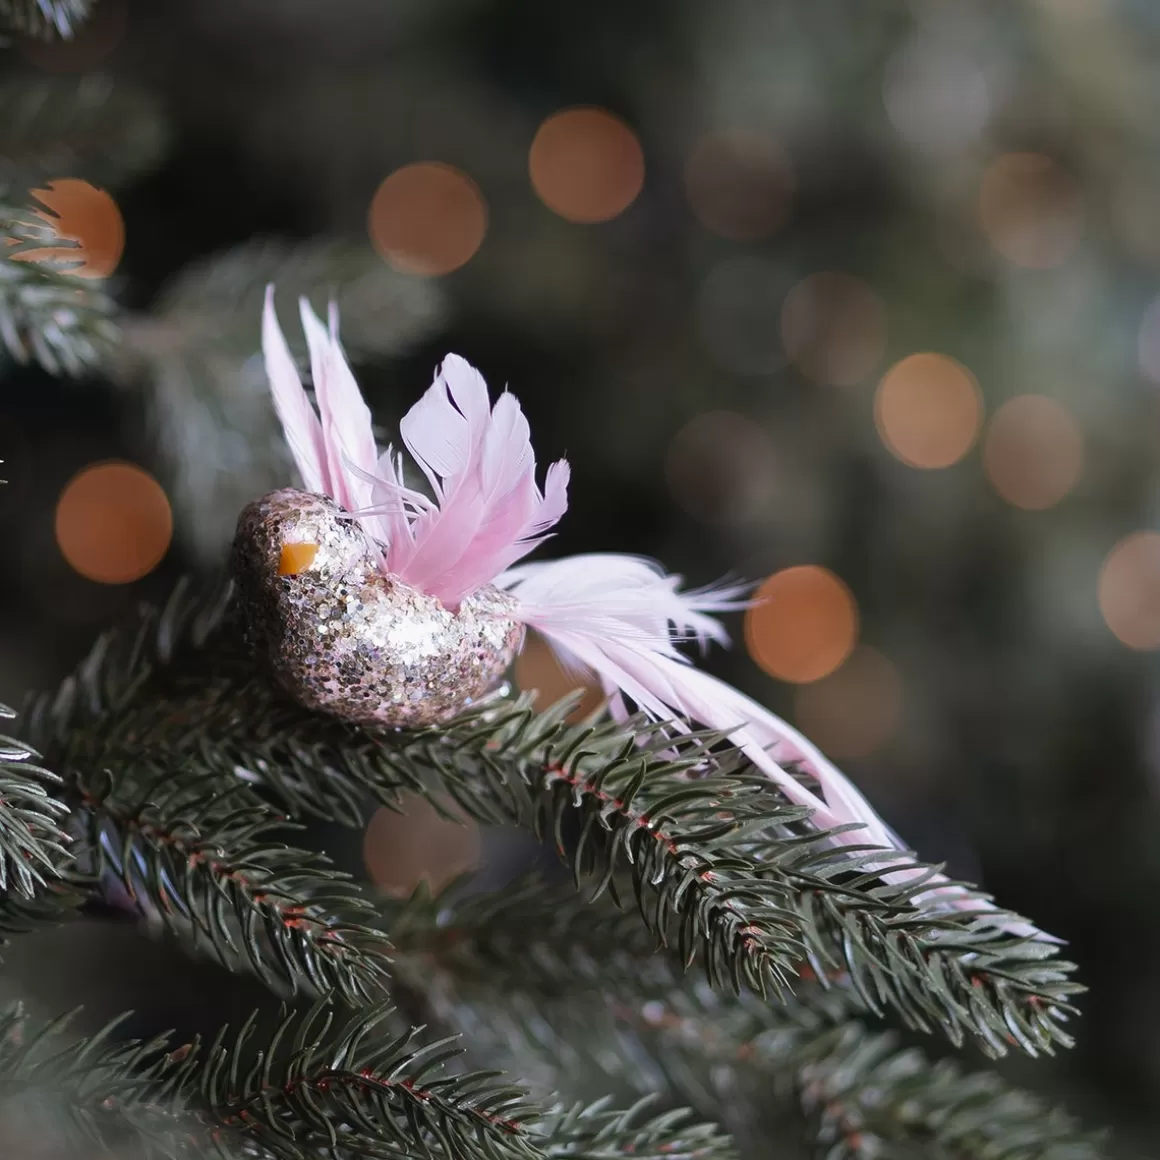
x=739 y=184
x=803 y=624
x=427 y=218
x=928 y=410
x=79 y=212
x=854 y=710
x=586 y=165
x=400 y=850
x=113 y=523
x=833 y=327
x=537 y=668
x=1033 y=453
x=719 y=467
x=1031 y=210
x=1129 y=590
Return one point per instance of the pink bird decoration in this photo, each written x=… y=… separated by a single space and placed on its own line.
x=615 y=618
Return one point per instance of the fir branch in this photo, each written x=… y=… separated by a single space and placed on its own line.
x=47 y=314
x=320 y=1087
x=213 y=868
x=868 y=1098
x=32 y=843
x=86 y=127
x=94 y=1091
x=595 y=1132
x=536 y=936
x=45 y=18
x=722 y=868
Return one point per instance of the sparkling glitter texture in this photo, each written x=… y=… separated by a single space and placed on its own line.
x=344 y=638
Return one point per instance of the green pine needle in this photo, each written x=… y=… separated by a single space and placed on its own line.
x=722 y=869
x=48 y=315
x=213 y=867
x=33 y=847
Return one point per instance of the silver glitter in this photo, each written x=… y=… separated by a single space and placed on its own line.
x=343 y=637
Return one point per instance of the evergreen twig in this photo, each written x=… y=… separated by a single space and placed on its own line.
x=867 y=1097
x=49 y=315
x=33 y=846
x=214 y=868
x=722 y=868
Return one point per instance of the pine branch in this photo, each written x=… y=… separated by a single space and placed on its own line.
x=595 y=1132
x=87 y=127
x=536 y=936
x=323 y=1088
x=47 y=314
x=95 y=1092
x=866 y=1097
x=722 y=869
x=45 y=18
x=214 y=869
x=32 y=844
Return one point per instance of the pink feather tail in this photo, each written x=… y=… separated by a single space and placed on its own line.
x=619 y=618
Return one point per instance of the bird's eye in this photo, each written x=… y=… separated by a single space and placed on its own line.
x=296 y=558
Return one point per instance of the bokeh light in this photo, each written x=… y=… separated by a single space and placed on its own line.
x=402 y=849
x=95 y=38
x=79 y=212
x=586 y=165
x=1031 y=210
x=537 y=668
x=1129 y=590
x=928 y=410
x=854 y=710
x=737 y=311
x=1033 y=453
x=803 y=624
x=719 y=467
x=833 y=327
x=427 y=218
x=739 y=184
x=935 y=93
x=113 y=523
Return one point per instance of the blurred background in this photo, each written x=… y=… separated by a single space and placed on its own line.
x=858 y=301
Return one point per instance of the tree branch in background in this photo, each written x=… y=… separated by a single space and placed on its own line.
x=537 y=954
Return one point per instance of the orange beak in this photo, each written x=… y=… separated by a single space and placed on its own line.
x=296 y=558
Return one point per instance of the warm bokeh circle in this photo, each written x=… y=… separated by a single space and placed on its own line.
x=427 y=218
x=928 y=410
x=113 y=523
x=1033 y=453
x=802 y=625
x=586 y=164
x=1129 y=590
x=82 y=213
x=854 y=710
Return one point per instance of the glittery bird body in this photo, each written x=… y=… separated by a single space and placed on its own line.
x=346 y=638
x=395 y=566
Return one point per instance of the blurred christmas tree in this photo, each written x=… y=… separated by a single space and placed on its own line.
x=838 y=291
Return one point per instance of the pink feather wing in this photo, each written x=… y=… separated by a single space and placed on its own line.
x=292 y=405
x=604 y=614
